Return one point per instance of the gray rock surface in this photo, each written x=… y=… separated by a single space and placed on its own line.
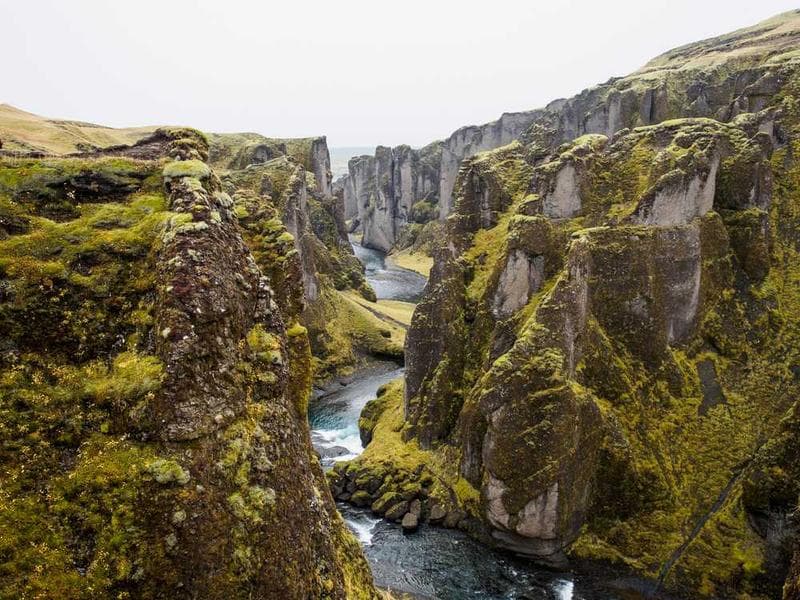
x=381 y=190
x=410 y=522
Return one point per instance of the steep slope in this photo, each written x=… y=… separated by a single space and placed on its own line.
x=153 y=391
x=605 y=363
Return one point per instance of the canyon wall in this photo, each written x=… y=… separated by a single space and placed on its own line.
x=688 y=81
x=154 y=387
x=387 y=191
x=283 y=192
x=605 y=362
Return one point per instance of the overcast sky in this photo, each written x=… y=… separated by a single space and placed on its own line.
x=361 y=72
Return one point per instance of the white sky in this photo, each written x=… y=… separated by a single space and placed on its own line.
x=362 y=72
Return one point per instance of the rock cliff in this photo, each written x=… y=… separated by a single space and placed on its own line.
x=604 y=364
x=396 y=187
x=154 y=387
x=719 y=79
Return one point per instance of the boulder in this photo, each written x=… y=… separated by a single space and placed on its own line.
x=437 y=514
x=360 y=498
x=453 y=518
x=386 y=501
x=415 y=508
x=396 y=511
x=410 y=522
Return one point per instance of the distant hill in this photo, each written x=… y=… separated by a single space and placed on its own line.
x=24 y=131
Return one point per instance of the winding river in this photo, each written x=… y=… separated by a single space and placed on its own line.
x=432 y=563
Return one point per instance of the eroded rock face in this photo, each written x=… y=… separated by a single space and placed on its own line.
x=320 y=165
x=343 y=187
x=564 y=201
x=468 y=141
x=680 y=199
x=521 y=277
x=296 y=217
x=435 y=330
x=385 y=189
x=611 y=289
x=174 y=441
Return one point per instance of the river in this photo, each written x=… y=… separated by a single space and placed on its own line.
x=432 y=563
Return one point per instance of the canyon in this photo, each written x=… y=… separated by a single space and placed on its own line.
x=214 y=366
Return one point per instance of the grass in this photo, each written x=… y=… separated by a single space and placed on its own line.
x=387 y=441
x=22 y=130
x=369 y=319
x=343 y=332
x=391 y=312
x=413 y=261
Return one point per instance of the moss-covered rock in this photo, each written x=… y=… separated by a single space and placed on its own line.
x=294 y=231
x=152 y=404
x=607 y=348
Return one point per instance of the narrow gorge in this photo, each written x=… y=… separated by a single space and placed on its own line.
x=554 y=356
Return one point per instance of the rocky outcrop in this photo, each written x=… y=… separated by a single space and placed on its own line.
x=396 y=187
x=280 y=205
x=521 y=277
x=237 y=151
x=320 y=165
x=520 y=418
x=343 y=188
x=154 y=391
x=469 y=141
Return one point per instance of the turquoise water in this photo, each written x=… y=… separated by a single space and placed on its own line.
x=388 y=281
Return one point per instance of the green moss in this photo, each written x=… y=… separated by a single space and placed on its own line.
x=52 y=177
x=296 y=330
x=487 y=247
x=167 y=471
x=341 y=329
x=251 y=505
x=186 y=168
x=131 y=376
x=90 y=522
x=71 y=280
x=467 y=495
x=286 y=238
x=300 y=371
x=259 y=340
